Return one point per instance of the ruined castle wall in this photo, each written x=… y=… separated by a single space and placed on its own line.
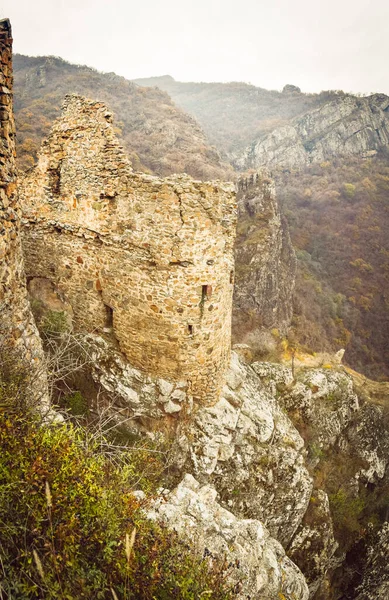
x=19 y=339
x=146 y=260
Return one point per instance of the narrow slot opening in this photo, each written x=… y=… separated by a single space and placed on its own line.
x=190 y=329
x=206 y=292
x=108 y=316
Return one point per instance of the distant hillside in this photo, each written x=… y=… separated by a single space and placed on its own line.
x=343 y=127
x=159 y=136
x=338 y=214
x=233 y=115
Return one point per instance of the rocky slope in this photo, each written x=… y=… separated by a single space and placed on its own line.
x=340 y=128
x=235 y=114
x=305 y=455
x=258 y=565
x=286 y=129
x=338 y=217
x=158 y=134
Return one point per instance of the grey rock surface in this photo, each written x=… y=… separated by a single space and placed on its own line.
x=314 y=546
x=343 y=127
x=265 y=262
x=375 y=584
x=258 y=565
x=248 y=448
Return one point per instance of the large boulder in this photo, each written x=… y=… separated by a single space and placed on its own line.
x=258 y=567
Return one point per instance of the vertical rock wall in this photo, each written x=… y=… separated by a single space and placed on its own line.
x=265 y=261
x=19 y=340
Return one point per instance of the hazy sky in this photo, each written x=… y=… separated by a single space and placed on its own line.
x=316 y=44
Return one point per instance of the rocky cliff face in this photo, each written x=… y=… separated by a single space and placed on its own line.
x=234 y=114
x=19 y=340
x=265 y=262
x=303 y=456
x=343 y=127
x=375 y=583
x=258 y=565
x=296 y=452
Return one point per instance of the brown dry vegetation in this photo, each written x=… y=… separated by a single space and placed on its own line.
x=338 y=214
x=234 y=114
x=159 y=136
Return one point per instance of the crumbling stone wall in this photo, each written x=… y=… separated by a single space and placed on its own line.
x=148 y=260
x=19 y=340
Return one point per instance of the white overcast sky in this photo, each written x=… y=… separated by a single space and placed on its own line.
x=316 y=44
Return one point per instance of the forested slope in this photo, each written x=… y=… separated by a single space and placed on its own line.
x=338 y=214
x=158 y=135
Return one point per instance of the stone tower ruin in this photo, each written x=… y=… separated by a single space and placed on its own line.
x=19 y=339
x=143 y=260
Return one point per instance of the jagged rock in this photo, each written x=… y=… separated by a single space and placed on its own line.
x=258 y=565
x=375 y=584
x=265 y=263
x=368 y=437
x=343 y=127
x=290 y=89
x=135 y=394
x=249 y=450
x=324 y=399
x=313 y=547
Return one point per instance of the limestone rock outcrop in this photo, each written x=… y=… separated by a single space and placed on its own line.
x=375 y=584
x=146 y=261
x=135 y=397
x=343 y=127
x=265 y=262
x=19 y=340
x=258 y=566
x=250 y=451
x=314 y=544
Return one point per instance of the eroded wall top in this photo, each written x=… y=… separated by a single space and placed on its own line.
x=84 y=179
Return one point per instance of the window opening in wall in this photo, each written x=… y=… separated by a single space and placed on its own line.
x=206 y=292
x=55 y=180
x=109 y=316
x=190 y=329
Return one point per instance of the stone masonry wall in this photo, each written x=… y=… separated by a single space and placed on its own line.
x=147 y=260
x=19 y=339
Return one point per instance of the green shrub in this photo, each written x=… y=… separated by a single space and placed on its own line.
x=54 y=323
x=349 y=189
x=77 y=404
x=65 y=512
x=347 y=511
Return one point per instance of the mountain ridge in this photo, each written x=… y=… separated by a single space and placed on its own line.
x=159 y=136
